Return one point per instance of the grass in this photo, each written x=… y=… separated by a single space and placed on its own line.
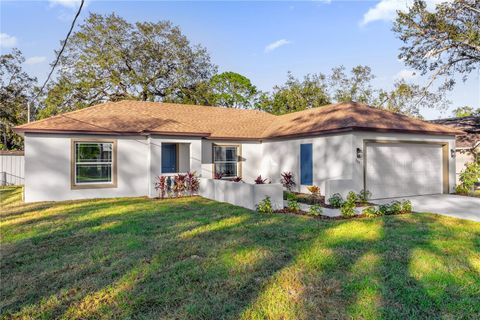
x=193 y=258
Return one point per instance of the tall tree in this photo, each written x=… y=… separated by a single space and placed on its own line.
x=404 y=97
x=356 y=87
x=232 y=90
x=16 y=89
x=110 y=59
x=296 y=95
x=466 y=111
x=445 y=42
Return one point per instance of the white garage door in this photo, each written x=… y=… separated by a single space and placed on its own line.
x=403 y=169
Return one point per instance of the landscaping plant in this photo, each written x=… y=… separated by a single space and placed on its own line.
x=237 y=179
x=265 y=206
x=363 y=196
x=192 y=183
x=259 y=180
x=287 y=180
x=315 y=210
x=217 y=175
x=336 y=200
x=370 y=212
x=161 y=186
x=292 y=203
x=469 y=177
x=179 y=185
x=348 y=207
x=315 y=193
x=407 y=206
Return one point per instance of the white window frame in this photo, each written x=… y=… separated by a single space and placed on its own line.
x=236 y=162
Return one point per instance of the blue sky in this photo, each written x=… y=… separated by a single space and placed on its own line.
x=262 y=40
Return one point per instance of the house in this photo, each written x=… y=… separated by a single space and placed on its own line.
x=468 y=145
x=117 y=149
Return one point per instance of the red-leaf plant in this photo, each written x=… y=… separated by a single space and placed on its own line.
x=179 y=184
x=161 y=186
x=217 y=175
x=192 y=183
x=287 y=180
x=259 y=180
x=237 y=179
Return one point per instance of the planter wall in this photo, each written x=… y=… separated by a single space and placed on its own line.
x=241 y=194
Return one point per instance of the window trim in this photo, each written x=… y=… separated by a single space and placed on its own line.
x=239 y=158
x=92 y=185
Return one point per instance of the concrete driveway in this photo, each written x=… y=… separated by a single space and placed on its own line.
x=445 y=204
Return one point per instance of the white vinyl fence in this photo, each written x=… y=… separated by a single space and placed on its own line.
x=12 y=166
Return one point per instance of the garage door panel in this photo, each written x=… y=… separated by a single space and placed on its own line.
x=403 y=169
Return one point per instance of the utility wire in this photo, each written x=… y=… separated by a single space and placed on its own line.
x=58 y=56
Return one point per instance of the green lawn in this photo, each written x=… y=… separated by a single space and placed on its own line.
x=193 y=258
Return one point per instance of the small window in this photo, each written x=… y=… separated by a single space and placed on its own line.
x=225 y=160
x=93 y=163
x=169 y=158
x=306 y=164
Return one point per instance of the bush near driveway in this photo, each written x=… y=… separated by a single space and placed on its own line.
x=193 y=258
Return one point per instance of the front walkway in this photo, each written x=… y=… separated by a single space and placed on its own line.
x=446 y=204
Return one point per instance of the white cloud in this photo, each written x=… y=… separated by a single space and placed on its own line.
x=405 y=75
x=65 y=3
x=386 y=10
x=7 y=41
x=35 y=60
x=275 y=45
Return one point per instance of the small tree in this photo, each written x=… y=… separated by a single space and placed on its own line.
x=469 y=177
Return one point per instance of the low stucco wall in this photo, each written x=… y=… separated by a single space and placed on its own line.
x=241 y=194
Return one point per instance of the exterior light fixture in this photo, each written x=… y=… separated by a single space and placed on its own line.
x=452 y=153
x=359 y=153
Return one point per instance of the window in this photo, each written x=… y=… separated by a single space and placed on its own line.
x=225 y=161
x=169 y=158
x=93 y=164
x=306 y=164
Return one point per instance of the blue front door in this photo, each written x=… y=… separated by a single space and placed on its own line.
x=169 y=157
x=306 y=164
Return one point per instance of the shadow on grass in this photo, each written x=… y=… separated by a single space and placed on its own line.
x=195 y=258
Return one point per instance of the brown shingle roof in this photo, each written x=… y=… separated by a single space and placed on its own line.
x=135 y=117
x=471 y=125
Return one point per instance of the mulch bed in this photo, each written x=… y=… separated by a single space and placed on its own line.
x=307 y=199
x=321 y=217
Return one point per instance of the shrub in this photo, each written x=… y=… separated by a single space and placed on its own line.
x=287 y=180
x=370 y=212
x=315 y=210
x=352 y=197
x=192 y=183
x=336 y=200
x=237 y=179
x=259 y=180
x=161 y=186
x=347 y=209
x=364 y=195
x=407 y=206
x=394 y=207
x=315 y=193
x=265 y=206
x=293 y=205
x=469 y=177
x=179 y=184
x=217 y=175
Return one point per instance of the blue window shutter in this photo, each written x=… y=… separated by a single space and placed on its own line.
x=169 y=158
x=306 y=164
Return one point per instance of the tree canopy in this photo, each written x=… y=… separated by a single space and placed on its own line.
x=16 y=90
x=445 y=41
x=466 y=111
x=110 y=59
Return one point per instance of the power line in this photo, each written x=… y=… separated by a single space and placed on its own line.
x=58 y=55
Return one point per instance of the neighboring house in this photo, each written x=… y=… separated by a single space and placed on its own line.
x=11 y=167
x=118 y=149
x=468 y=145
